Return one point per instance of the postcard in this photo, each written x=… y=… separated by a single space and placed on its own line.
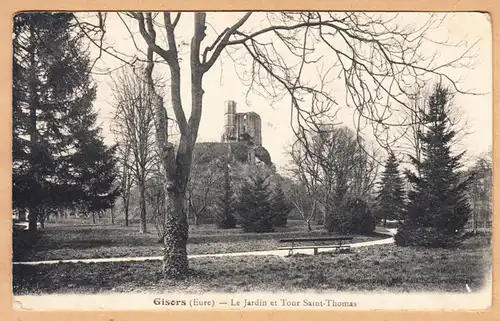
x=251 y=160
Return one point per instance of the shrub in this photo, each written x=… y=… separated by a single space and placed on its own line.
x=352 y=216
x=426 y=237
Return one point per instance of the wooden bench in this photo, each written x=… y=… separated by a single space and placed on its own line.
x=337 y=245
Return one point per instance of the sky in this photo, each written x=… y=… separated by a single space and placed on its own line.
x=221 y=83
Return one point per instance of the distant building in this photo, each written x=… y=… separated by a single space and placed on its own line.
x=239 y=127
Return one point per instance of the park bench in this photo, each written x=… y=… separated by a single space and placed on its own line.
x=337 y=243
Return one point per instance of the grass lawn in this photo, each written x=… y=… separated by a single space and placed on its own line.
x=78 y=241
x=375 y=268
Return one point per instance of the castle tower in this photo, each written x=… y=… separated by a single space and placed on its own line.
x=230 y=121
x=249 y=124
x=242 y=127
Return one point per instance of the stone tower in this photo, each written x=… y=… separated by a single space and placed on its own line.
x=229 y=121
x=241 y=126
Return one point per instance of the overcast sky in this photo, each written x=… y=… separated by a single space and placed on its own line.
x=221 y=82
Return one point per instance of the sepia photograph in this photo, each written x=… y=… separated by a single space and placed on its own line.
x=251 y=160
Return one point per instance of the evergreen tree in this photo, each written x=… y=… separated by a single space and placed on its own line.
x=438 y=207
x=51 y=84
x=254 y=205
x=391 y=196
x=280 y=206
x=93 y=172
x=226 y=208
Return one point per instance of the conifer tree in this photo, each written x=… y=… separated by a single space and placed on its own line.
x=281 y=207
x=51 y=85
x=254 y=205
x=226 y=208
x=438 y=208
x=391 y=196
x=94 y=173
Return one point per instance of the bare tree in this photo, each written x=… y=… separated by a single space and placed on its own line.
x=134 y=126
x=305 y=191
x=333 y=165
x=480 y=191
x=202 y=187
x=126 y=178
x=303 y=202
x=374 y=56
x=345 y=166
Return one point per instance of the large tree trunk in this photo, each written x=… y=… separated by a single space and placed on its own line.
x=175 y=261
x=177 y=171
x=176 y=167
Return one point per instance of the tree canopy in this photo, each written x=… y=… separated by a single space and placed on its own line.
x=55 y=139
x=438 y=207
x=391 y=195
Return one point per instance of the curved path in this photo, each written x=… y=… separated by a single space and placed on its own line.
x=389 y=240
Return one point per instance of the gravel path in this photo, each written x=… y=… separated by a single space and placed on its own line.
x=271 y=252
